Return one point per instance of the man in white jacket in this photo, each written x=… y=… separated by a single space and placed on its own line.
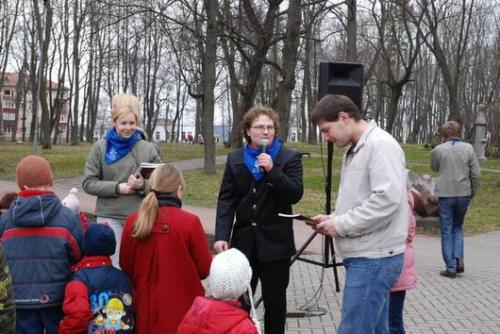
x=370 y=219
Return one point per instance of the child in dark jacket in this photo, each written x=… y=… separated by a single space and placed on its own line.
x=222 y=313
x=99 y=298
x=41 y=240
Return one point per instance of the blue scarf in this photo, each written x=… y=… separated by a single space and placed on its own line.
x=118 y=147
x=454 y=141
x=250 y=157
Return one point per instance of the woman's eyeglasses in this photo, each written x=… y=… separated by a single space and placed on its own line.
x=261 y=128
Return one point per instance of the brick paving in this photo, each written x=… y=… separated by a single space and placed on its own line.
x=468 y=304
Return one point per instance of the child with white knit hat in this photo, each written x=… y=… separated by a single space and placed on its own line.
x=221 y=312
x=72 y=202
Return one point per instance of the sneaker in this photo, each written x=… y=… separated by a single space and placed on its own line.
x=448 y=274
x=460 y=265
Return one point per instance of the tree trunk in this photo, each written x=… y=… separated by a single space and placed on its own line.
x=209 y=62
x=283 y=100
x=352 y=54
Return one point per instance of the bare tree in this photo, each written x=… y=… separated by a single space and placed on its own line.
x=447 y=36
x=399 y=51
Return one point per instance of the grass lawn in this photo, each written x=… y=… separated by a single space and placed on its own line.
x=202 y=190
x=69 y=160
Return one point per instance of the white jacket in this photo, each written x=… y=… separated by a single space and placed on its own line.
x=371 y=214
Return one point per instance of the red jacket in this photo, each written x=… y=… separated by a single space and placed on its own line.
x=408 y=277
x=209 y=316
x=165 y=268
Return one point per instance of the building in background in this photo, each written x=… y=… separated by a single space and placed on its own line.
x=17 y=110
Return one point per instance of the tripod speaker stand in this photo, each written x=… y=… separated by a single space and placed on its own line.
x=329 y=260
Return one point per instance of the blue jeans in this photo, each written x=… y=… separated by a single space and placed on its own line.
x=38 y=321
x=396 y=305
x=368 y=282
x=451 y=215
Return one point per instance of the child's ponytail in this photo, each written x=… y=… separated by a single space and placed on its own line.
x=146 y=217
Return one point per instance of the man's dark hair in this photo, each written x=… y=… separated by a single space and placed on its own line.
x=330 y=105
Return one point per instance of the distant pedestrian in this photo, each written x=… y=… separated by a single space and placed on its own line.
x=99 y=298
x=165 y=252
x=221 y=312
x=41 y=240
x=110 y=170
x=456 y=184
x=408 y=278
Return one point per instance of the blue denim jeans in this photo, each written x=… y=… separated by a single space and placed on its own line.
x=396 y=306
x=451 y=215
x=365 y=306
x=38 y=321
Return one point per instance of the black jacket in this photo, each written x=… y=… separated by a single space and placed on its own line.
x=256 y=205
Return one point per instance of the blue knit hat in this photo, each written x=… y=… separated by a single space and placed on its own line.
x=99 y=240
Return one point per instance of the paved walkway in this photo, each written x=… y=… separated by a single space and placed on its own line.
x=467 y=304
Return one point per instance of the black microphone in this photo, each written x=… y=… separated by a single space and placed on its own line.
x=263 y=143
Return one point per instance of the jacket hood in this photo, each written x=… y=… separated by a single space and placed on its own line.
x=213 y=316
x=35 y=211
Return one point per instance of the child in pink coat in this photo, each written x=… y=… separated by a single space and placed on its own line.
x=407 y=279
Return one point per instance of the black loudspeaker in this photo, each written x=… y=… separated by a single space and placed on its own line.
x=336 y=77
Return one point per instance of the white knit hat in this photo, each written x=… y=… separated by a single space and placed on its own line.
x=71 y=201
x=230 y=275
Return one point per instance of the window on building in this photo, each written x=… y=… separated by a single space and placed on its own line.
x=7 y=92
x=62 y=118
x=9 y=104
x=9 y=116
x=157 y=135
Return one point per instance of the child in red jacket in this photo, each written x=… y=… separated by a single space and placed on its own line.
x=222 y=313
x=165 y=252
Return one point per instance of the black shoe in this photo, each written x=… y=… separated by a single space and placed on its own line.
x=460 y=265
x=448 y=274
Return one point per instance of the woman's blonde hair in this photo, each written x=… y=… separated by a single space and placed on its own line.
x=166 y=179
x=122 y=104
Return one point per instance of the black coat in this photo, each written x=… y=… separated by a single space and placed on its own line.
x=256 y=205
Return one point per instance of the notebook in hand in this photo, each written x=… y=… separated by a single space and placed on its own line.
x=298 y=216
x=146 y=168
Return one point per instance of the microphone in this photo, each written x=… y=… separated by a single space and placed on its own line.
x=263 y=144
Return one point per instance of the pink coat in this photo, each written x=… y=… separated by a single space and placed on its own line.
x=408 y=278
